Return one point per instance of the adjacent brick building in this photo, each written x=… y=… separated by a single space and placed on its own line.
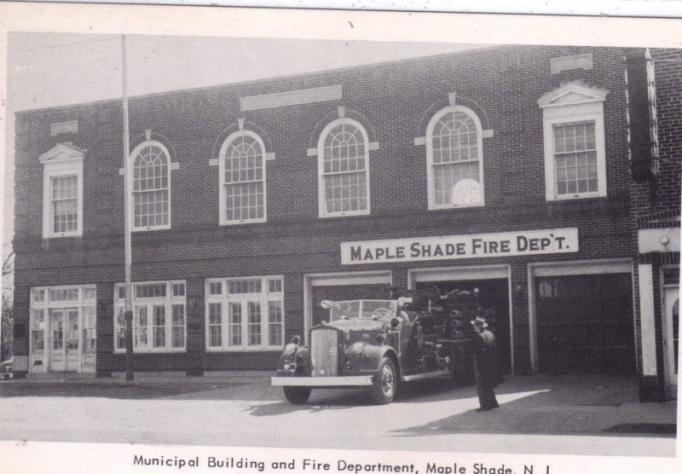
x=504 y=169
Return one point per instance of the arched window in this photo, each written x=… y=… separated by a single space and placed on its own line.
x=455 y=159
x=242 y=179
x=343 y=169
x=151 y=186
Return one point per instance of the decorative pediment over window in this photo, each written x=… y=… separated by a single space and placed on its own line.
x=572 y=93
x=63 y=152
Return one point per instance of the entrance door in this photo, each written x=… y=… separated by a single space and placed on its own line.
x=72 y=345
x=57 y=359
x=65 y=340
x=672 y=342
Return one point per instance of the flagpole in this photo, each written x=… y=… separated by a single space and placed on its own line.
x=130 y=375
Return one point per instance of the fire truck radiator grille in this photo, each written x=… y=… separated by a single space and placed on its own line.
x=324 y=352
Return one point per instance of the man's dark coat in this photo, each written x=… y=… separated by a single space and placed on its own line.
x=485 y=364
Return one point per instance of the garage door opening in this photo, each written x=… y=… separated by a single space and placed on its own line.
x=584 y=324
x=493 y=294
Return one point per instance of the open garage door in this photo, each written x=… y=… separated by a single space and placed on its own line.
x=493 y=294
x=584 y=324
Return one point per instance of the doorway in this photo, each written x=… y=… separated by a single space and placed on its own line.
x=671 y=328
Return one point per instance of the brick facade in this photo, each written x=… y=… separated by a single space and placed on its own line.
x=394 y=102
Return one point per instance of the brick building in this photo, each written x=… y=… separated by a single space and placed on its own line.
x=655 y=89
x=504 y=169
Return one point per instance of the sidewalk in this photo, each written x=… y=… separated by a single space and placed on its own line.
x=586 y=414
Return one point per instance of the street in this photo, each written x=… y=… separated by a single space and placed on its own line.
x=590 y=414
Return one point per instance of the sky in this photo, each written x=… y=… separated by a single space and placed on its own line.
x=53 y=69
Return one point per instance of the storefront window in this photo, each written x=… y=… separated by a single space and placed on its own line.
x=249 y=316
x=158 y=317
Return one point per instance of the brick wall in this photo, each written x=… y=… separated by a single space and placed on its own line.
x=394 y=102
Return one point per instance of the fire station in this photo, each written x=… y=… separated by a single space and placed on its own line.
x=533 y=174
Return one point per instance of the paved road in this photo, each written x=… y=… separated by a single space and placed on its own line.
x=539 y=415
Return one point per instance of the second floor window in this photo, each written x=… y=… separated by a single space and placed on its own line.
x=64 y=204
x=455 y=159
x=62 y=191
x=242 y=179
x=343 y=169
x=151 y=186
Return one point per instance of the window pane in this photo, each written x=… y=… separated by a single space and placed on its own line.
x=63 y=294
x=244 y=179
x=159 y=329
x=215 y=288
x=275 y=323
x=235 y=315
x=150 y=187
x=141 y=324
x=344 y=164
x=275 y=285
x=456 y=183
x=153 y=290
x=178 y=334
x=575 y=158
x=178 y=289
x=455 y=138
x=64 y=207
x=215 y=318
x=254 y=323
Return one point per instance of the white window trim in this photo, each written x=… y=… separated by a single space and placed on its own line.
x=61 y=161
x=564 y=116
x=263 y=297
x=168 y=301
x=573 y=102
x=429 y=157
x=322 y=207
x=131 y=205
x=221 y=178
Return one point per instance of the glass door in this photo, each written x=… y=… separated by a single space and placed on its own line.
x=72 y=343
x=57 y=357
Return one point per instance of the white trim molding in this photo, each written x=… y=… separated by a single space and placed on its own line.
x=62 y=161
x=647 y=322
x=293 y=97
x=573 y=103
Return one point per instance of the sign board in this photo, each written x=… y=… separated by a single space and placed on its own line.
x=497 y=244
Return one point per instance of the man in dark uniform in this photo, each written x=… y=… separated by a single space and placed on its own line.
x=485 y=364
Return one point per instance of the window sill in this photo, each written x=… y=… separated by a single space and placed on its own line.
x=455 y=207
x=243 y=222
x=63 y=234
x=145 y=229
x=154 y=351
x=573 y=197
x=245 y=349
x=344 y=214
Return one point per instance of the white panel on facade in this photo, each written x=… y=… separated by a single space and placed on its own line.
x=659 y=240
x=288 y=98
x=646 y=311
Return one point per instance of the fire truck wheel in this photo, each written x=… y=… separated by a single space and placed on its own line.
x=386 y=382
x=297 y=395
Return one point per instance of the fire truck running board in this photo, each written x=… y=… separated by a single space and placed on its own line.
x=425 y=375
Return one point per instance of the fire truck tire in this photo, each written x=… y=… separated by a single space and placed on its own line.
x=297 y=395
x=386 y=382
